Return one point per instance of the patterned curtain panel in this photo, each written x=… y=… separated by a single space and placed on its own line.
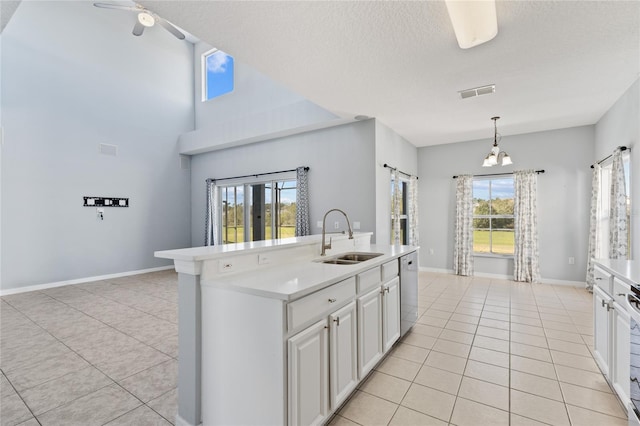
x=303 y=226
x=593 y=224
x=463 y=244
x=618 y=246
x=414 y=239
x=526 y=267
x=395 y=205
x=211 y=216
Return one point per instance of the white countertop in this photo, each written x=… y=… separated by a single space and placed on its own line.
x=195 y=254
x=627 y=270
x=292 y=281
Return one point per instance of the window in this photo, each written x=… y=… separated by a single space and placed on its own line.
x=403 y=218
x=217 y=72
x=493 y=221
x=258 y=211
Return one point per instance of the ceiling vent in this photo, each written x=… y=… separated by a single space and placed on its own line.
x=108 y=149
x=477 y=91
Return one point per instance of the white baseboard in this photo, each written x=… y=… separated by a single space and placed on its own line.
x=438 y=270
x=507 y=277
x=81 y=280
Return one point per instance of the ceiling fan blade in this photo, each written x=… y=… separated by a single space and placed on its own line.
x=138 y=29
x=169 y=27
x=115 y=6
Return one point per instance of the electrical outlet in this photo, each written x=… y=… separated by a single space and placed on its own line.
x=319 y=224
x=572 y=261
x=225 y=266
x=263 y=259
x=336 y=225
x=356 y=225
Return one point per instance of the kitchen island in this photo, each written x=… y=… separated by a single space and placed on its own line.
x=269 y=333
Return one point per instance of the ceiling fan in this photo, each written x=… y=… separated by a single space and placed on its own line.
x=146 y=19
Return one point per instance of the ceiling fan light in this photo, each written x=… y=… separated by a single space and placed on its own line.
x=474 y=22
x=146 y=19
x=506 y=160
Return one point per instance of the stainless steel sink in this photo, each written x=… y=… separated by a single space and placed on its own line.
x=350 y=258
x=358 y=257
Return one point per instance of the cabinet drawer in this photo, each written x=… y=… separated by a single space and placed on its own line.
x=620 y=290
x=603 y=279
x=319 y=303
x=389 y=270
x=368 y=279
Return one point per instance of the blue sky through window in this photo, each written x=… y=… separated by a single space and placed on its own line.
x=219 y=74
x=500 y=188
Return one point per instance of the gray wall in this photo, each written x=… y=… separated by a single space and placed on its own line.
x=342 y=175
x=392 y=149
x=563 y=197
x=73 y=76
x=621 y=126
x=258 y=106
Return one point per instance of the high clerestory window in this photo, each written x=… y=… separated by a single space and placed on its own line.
x=217 y=74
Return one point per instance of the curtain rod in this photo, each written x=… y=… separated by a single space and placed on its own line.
x=256 y=175
x=399 y=171
x=499 y=174
x=621 y=148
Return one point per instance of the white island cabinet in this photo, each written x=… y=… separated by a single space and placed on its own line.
x=273 y=336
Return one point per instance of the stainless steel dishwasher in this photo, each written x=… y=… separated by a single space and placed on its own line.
x=408 y=291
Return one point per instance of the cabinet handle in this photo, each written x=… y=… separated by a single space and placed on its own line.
x=332 y=300
x=603 y=303
x=337 y=321
x=609 y=307
x=621 y=294
x=598 y=279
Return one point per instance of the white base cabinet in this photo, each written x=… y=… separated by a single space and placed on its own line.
x=295 y=363
x=611 y=332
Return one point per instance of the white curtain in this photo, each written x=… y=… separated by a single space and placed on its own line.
x=618 y=244
x=302 y=202
x=414 y=239
x=463 y=244
x=594 y=221
x=211 y=216
x=526 y=267
x=395 y=206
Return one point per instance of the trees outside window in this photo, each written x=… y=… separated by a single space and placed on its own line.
x=493 y=221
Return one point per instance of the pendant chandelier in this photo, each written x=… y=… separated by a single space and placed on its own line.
x=496 y=156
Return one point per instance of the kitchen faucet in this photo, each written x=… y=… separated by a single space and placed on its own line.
x=324 y=222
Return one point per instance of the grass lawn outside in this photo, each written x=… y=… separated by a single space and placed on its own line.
x=503 y=242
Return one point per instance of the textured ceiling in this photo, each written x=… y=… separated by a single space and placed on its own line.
x=555 y=63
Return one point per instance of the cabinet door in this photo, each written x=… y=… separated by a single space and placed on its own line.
x=343 y=353
x=369 y=331
x=620 y=359
x=601 y=329
x=390 y=313
x=309 y=375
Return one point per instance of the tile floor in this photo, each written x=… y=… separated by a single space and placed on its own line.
x=490 y=352
x=100 y=353
x=484 y=352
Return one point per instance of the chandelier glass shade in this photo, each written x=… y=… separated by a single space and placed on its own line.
x=496 y=156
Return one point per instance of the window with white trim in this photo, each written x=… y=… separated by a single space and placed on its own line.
x=493 y=221
x=217 y=74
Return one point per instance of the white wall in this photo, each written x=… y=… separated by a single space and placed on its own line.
x=563 y=197
x=621 y=126
x=394 y=150
x=73 y=76
x=341 y=175
x=257 y=106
